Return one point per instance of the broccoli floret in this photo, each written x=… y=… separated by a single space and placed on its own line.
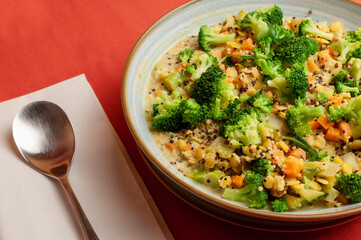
x=185 y=55
x=279 y=205
x=192 y=113
x=200 y=64
x=339 y=77
x=261 y=102
x=279 y=34
x=261 y=22
x=296 y=50
x=167 y=114
x=253 y=192
x=255 y=22
x=297 y=81
x=310 y=151
x=355 y=69
x=173 y=80
x=353 y=110
x=210 y=36
x=293 y=85
x=357 y=53
x=341 y=87
x=262 y=166
x=272 y=15
x=242 y=126
x=354 y=36
x=212 y=86
x=344 y=84
x=335 y=114
x=345 y=48
x=350 y=185
x=171 y=113
x=307 y=27
x=299 y=115
x=263 y=57
x=321 y=97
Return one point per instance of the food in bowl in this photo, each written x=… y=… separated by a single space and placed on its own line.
x=265 y=111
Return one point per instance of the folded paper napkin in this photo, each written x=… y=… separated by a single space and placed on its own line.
x=33 y=206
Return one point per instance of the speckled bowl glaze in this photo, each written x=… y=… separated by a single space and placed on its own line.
x=186 y=20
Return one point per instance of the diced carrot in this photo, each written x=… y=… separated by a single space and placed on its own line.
x=326 y=58
x=224 y=53
x=333 y=134
x=247 y=44
x=331 y=52
x=323 y=121
x=336 y=100
x=157 y=93
x=170 y=146
x=180 y=68
x=237 y=180
x=311 y=65
x=187 y=147
x=342 y=199
x=277 y=155
x=298 y=153
x=229 y=80
x=269 y=94
x=345 y=129
x=236 y=59
x=314 y=124
x=310 y=78
x=292 y=166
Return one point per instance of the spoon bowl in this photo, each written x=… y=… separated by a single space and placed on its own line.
x=45 y=138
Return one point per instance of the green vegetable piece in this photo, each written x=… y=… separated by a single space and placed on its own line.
x=335 y=114
x=296 y=50
x=262 y=166
x=308 y=174
x=173 y=80
x=212 y=178
x=253 y=192
x=185 y=55
x=350 y=185
x=298 y=116
x=198 y=176
x=307 y=27
x=321 y=97
x=208 y=37
x=310 y=151
x=345 y=48
x=355 y=68
x=279 y=205
x=309 y=194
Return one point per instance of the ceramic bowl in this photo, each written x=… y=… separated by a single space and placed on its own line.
x=186 y=20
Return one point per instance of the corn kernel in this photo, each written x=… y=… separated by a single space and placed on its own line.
x=225 y=182
x=284 y=146
x=322 y=180
x=315 y=186
x=267 y=143
x=200 y=154
x=181 y=144
x=276 y=136
x=346 y=168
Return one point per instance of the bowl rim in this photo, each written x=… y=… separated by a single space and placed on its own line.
x=184 y=185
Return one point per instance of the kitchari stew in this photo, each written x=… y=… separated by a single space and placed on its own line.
x=264 y=109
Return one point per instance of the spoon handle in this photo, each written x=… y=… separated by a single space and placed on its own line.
x=87 y=229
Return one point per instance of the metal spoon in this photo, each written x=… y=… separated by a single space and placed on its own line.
x=45 y=138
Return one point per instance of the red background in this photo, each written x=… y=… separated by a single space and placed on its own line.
x=44 y=42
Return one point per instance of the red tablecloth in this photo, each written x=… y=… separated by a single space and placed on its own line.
x=44 y=42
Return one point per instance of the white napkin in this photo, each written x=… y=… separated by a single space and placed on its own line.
x=33 y=206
